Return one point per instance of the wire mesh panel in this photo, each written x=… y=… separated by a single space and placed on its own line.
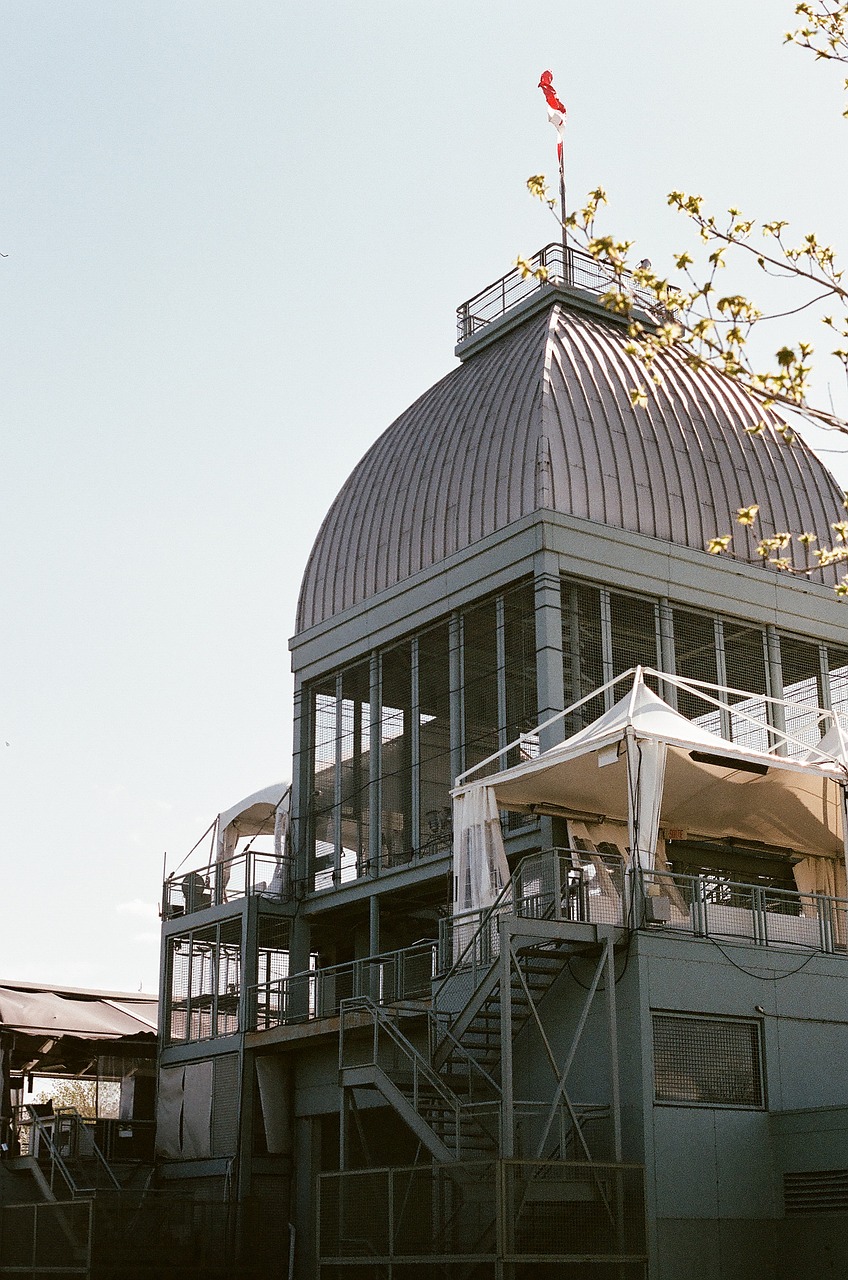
x=45 y=1238
x=480 y=685
x=354 y=745
x=353 y=1215
x=583 y=666
x=837 y=666
x=634 y=633
x=324 y=733
x=228 y=984
x=801 y=666
x=204 y=982
x=696 y=659
x=712 y=1061
x=434 y=739
x=395 y=764
x=556 y=1211
x=745 y=666
x=519 y=674
x=225 y=1104
x=482 y=1211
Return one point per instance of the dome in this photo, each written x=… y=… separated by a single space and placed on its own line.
x=540 y=418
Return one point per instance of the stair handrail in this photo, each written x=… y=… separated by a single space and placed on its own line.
x=504 y=899
x=56 y=1158
x=84 y=1130
x=438 y=1025
x=420 y=1066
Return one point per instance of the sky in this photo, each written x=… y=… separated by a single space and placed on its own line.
x=236 y=236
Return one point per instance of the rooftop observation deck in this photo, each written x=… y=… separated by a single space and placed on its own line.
x=572 y=270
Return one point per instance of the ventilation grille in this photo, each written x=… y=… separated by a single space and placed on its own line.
x=711 y=1061
x=821 y=1191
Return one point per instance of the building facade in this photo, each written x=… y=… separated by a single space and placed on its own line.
x=581 y=1093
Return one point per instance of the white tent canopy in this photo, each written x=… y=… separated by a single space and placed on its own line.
x=643 y=763
x=266 y=812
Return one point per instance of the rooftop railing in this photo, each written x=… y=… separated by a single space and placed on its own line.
x=558 y=266
x=245 y=875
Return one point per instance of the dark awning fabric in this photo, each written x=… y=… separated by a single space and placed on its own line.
x=91 y=1017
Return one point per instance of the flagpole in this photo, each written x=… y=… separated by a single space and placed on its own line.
x=556 y=115
x=566 y=265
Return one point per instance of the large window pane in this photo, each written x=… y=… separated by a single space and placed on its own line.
x=695 y=659
x=745 y=663
x=480 y=683
x=435 y=781
x=801 y=669
x=582 y=651
x=396 y=756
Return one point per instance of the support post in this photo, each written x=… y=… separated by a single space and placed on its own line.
x=615 y=1078
x=507 y=1097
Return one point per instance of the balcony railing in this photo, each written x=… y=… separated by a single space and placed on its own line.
x=247 y=874
x=557 y=884
x=574 y=268
x=318 y=993
x=709 y=906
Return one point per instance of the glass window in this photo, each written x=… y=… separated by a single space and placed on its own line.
x=801 y=670
x=480 y=684
x=582 y=651
x=434 y=737
x=745 y=665
x=396 y=756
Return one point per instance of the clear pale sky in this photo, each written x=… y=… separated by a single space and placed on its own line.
x=236 y=237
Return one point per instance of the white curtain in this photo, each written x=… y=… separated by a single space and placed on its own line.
x=645 y=777
x=480 y=868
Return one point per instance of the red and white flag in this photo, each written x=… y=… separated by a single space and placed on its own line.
x=556 y=110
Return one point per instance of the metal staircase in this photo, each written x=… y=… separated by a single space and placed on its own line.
x=448 y=1091
x=440 y=1107
x=501 y=1170
x=63 y=1146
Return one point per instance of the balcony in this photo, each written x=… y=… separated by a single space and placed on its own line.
x=248 y=874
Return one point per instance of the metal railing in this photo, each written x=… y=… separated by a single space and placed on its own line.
x=46 y=1239
x=247 y=874
x=383 y=1045
x=406 y=974
x=557 y=884
x=483 y=1211
x=574 y=268
x=65 y=1141
x=711 y=906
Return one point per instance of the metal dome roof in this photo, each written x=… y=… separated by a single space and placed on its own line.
x=541 y=418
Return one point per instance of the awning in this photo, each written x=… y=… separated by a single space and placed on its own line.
x=709 y=786
x=92 y=1016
